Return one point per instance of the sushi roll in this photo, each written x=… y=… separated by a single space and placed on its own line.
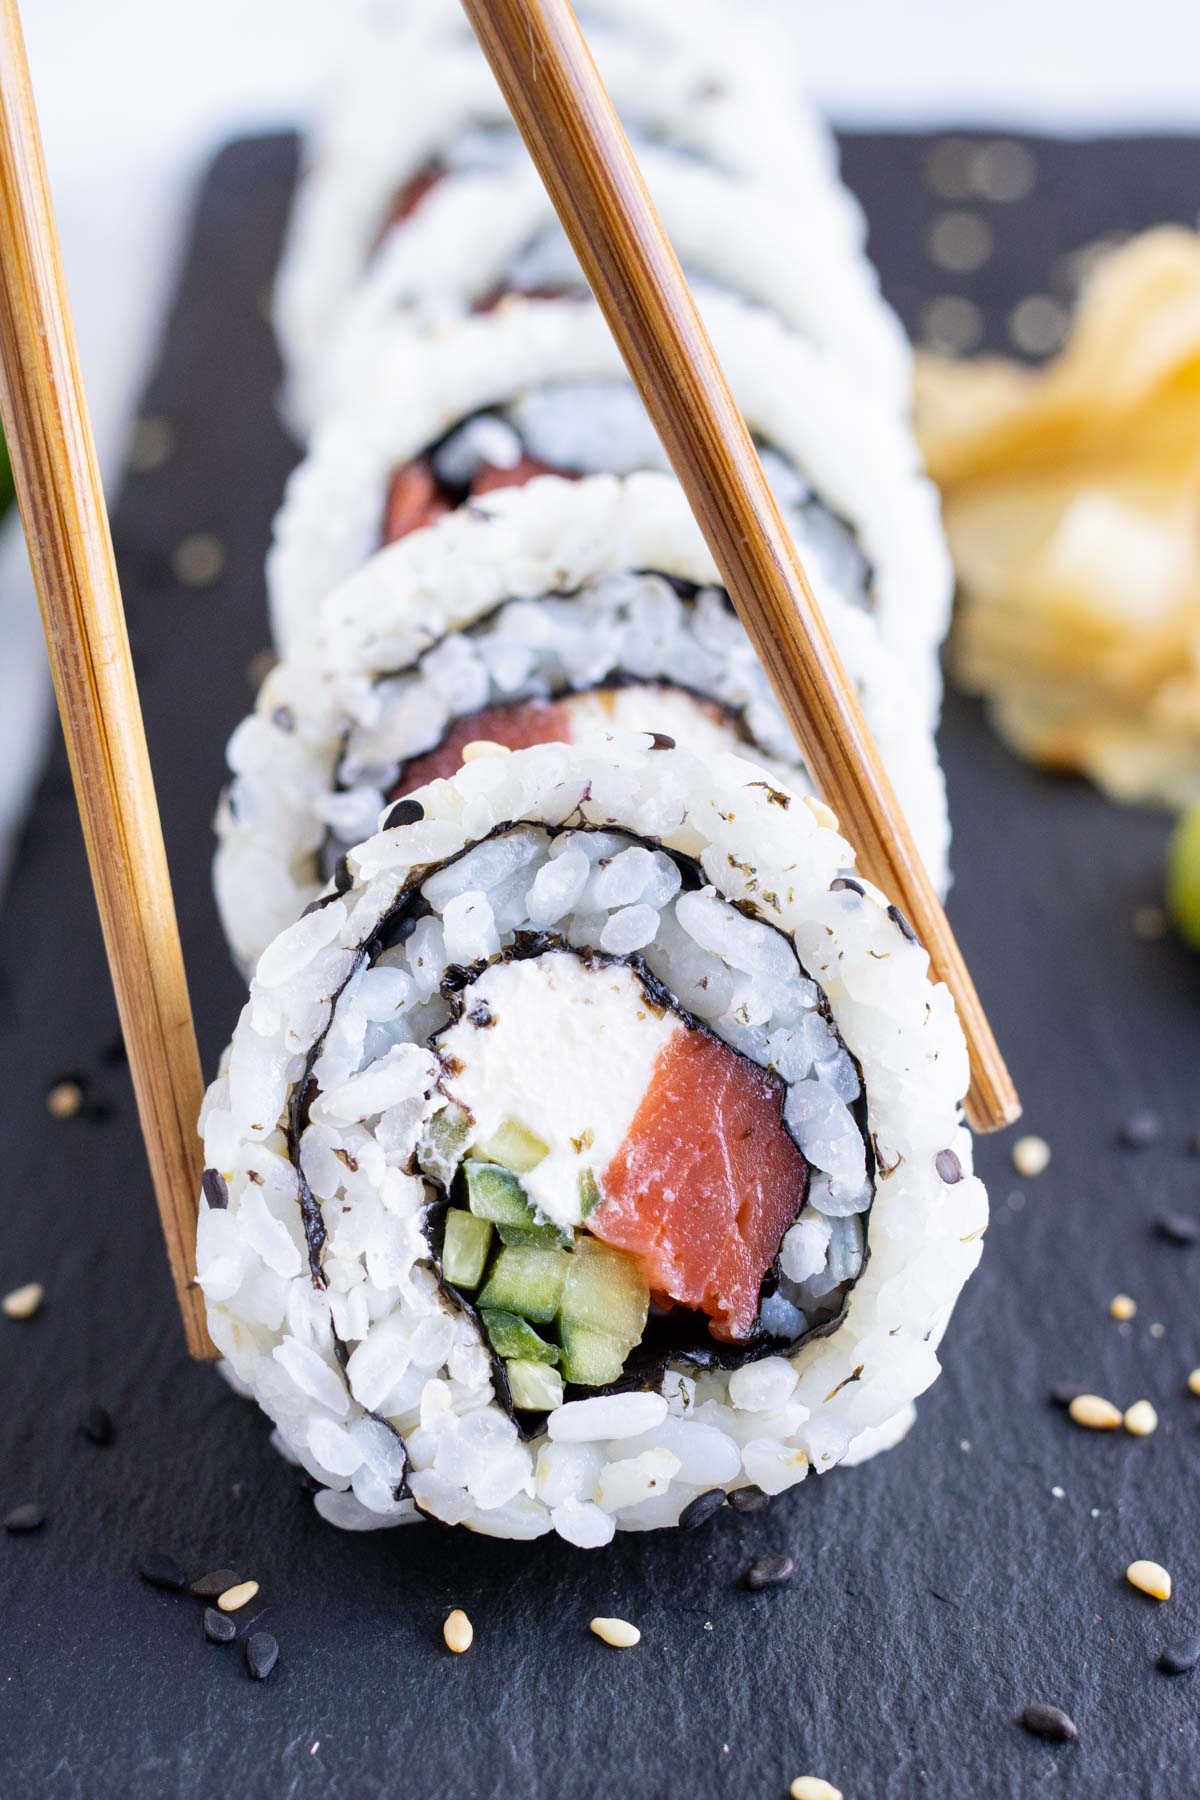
x=538 y=385
x=592 y=1144
x=550 y=611
x=690 y=91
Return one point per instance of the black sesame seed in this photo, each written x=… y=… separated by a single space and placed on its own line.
x=701 y=1508
x=769 y=1571
x=214 y=1584
x=29 y=1517
x=1063 y=1392
x=1140 y=1130
x=749 y=1500
x=660 y=741
x=1049 y=1722
x=215 y=1189
x=1177 y=1228
x=283 y=719
x=97 y=1426
x=405 y=812
x=262 y=1653
x=1179 y=1657
x=162 y=1572
x=844 y=885
x=219 y=1628
x=902 y=925
x=948 y=1167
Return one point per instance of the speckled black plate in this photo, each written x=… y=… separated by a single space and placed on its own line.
x=941 y=1588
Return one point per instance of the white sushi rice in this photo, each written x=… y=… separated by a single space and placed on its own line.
x=414 y=88
x=386 y=668
x=408 y=1422
x=537 y=358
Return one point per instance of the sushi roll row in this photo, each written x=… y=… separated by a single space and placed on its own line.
x=590 y=1140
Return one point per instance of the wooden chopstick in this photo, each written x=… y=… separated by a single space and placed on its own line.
x=559 y=103
x=66 y=526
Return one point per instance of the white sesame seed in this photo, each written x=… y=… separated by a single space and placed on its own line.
x=458 y=1632
x=478 y=748
x=617 y=1632
x=236 y=1597
x=1122 y=1307
x=952 y=324
x=1158 y=1330
x=1141 y=1419
x=1059 y=1493
x=959 y=241
x=199 y=560
x=64 y=1099
x=1038 y=324
x=1193 y=1378
x=1094 y=1413
x=824 y=815
x=811 y=1787
x=151 y=444
x=1030 y=1156
x=23 y=1302
x=1149 y=1578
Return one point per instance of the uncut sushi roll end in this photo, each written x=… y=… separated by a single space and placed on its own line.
x=591 y=1143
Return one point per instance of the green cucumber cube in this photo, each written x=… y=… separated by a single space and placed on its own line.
x=533 y=1386
x=495 y=1193
x=465 y=1248
x=605 y=1289
x=515 y=1147
x=511 y=1336
x=528 y=1280
x=443 y=1143
x=590 y=1357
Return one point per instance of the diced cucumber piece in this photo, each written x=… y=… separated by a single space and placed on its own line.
x=533 y=1386
x=547 y=1236
x=589 y=1193
x=605 y=1289
x=465 y=1248
x=495 y=1193
x=528 y=1280
x=510 y=1336
x=443 y=1143
x=515 y=1147
x=590 y=1357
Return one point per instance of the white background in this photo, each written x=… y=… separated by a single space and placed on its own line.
x=134 y=94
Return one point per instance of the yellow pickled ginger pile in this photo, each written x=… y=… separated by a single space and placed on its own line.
x=1072 y=505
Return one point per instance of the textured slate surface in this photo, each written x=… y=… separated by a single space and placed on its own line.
x=940 y=1589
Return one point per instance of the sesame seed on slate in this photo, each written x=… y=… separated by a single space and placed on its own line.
x=262 y=1653
x=219 y=1628
x=96 y=1425
x=162 y=1572
x=701 y=1508
x=1149 y=1578
x=749 y=1500
x=1063 y=1392
x=1095 y=1413
x=769 y=1571
x=23 y=1302
x=1177 y=1228
x=948 y=1167
x=1178 y=1658
x=214 y=1584
x=239 y=1595
x=1139 y=1130
x=29 y=1517
x=1049 y=1722
x=64 y=1099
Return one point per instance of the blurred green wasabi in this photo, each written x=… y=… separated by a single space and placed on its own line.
x=1183 y=877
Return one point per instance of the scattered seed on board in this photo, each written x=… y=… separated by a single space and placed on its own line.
x=769 y=1571
x=1122 y=1307
x=1141 y=1419
x=458 y=1632
x=96 y=1425
x=198 y=560
x=64 y=1099
x=215 y=1583
x=238 y=1596
x=1149 y=1578
x=1095 y=1413
x=262 y=1653
x=749 y=1500
x=617 y=1632
x=23 y=1302
x=812 y=1787
x=162 y=1572
x=1049 y=1722
x=701 y=1508
x=1177 y=1228
x=1140 y=1130
x=1194 y=1382
x=1030 y=1156
x=29 y=1517
x=150 y=445
x=1178 y=1658
x=219 y=1628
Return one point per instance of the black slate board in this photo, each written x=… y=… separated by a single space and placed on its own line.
x=940 y=1588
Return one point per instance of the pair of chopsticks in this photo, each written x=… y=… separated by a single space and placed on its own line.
x=558 y=101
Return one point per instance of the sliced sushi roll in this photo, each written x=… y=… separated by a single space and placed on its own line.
x=538 y=385
x=552 y=611
x=591 y=1144
x=416 y=105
